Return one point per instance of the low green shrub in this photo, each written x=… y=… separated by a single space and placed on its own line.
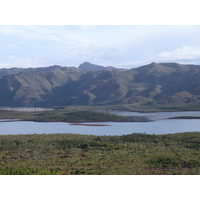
x=163 y=161
x=72 y=154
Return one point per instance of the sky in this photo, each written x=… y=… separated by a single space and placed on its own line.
x=124 y=34
x=128 y=34
x=124 y=46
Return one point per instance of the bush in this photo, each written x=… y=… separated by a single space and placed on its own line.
x=191 y=164
x=164 y=162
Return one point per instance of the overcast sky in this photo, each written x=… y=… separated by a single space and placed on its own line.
x=124 y=46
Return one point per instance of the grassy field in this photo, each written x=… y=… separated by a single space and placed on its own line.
x=72 y=154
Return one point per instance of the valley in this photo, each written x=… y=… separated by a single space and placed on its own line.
x=84 y=96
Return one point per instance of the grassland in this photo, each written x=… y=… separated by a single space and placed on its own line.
x=71 y=154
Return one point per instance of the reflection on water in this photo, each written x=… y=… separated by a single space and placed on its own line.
x=161 y=125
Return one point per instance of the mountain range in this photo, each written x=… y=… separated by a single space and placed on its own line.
x=90 y=84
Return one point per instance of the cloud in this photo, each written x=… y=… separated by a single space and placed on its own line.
x=119 y=46
x=26 y=62
x=184 y=53
x=21 y=62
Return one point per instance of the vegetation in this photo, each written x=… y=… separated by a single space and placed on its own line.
x=153 y=85
x=73 y=154
x=65 y=116
x=81 y=93
x=78 y=116
x=10 y=71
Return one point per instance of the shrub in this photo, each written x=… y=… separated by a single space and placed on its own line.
x=163 y=161
x=191 y=163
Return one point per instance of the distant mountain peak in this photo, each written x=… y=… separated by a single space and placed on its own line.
x=94 y=67
x=90 y=66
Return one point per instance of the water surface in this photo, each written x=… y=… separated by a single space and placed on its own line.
x=160 y=125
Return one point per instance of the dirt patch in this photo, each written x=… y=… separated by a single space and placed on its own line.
x=82 y=152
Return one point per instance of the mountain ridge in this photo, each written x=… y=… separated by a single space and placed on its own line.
x=94 y=67
x=155 y=83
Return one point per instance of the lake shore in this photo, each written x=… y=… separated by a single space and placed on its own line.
x=185 y=117
x=10 y=120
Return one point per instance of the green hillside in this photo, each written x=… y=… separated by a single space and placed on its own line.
x=10 y=71
x=165 y=84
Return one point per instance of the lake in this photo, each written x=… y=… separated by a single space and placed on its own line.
x=160 y=125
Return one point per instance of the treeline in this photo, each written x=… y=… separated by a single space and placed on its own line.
x=68 y=116
x=79 y=116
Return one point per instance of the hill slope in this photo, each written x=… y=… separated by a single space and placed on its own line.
x=34 y=87
x=163 y=83
x=10 y=71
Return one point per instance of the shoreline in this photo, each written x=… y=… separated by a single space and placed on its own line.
x=185 y=117
x=10 y=120
x=80 y=124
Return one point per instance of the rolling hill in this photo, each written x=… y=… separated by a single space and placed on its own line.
x=156 y=83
